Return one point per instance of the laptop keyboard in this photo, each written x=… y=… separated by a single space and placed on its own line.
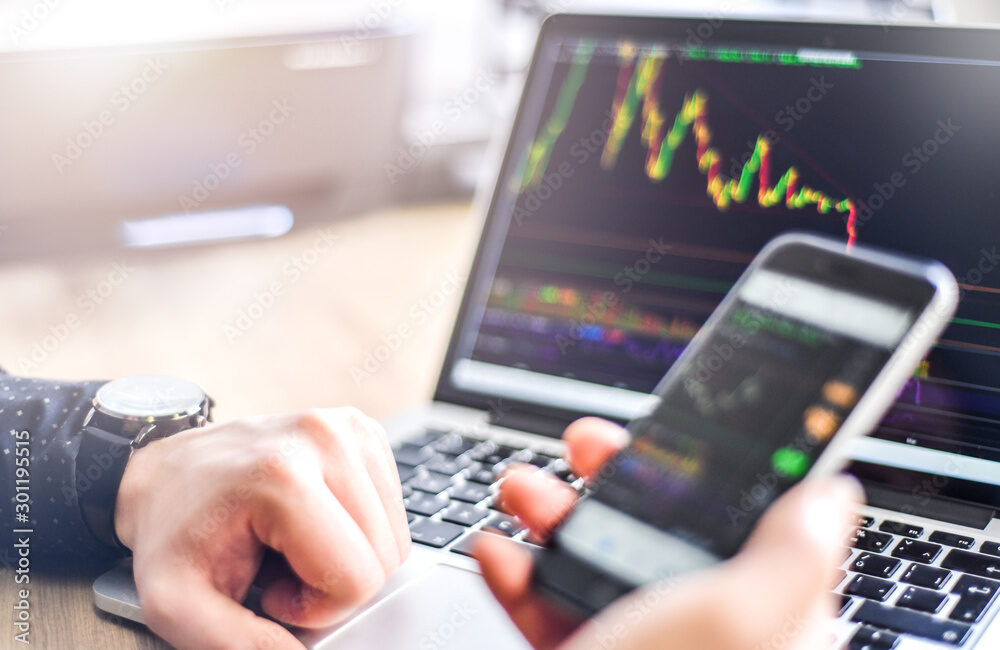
x=898 y=579
x=450 y=487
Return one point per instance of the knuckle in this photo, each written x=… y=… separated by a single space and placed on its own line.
x=315 y=422
x=354 y=416
x=360 y=585
x=282 y=473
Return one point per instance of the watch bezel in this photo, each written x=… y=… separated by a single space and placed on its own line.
x=104 y=402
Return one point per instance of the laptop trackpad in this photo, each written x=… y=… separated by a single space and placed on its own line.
x=443 y=609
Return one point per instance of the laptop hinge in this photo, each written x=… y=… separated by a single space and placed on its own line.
x=930 y=507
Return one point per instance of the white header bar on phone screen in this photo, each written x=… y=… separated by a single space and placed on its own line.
x=834 y=310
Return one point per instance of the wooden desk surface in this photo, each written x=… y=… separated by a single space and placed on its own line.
x=267 y=326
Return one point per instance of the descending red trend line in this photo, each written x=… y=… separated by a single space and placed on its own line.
x=637 y=90
x=642 y=89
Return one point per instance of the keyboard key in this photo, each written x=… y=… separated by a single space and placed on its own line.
x=455 y=444
x=504 y=525
x=868 y=540
x=530 y=538
x=466 y=545
x=951 y=539
x=926 y=576
x=434 y=533
x=491 y=453
x=992 y=548
x=872 y=638
x=405 y=473
x=562 y=471
x=922 y=600
x=464 y=514
x=974 y=597
x=495 y=503
x=914 y=551
x=447 y=464
x=540 y=460
x=910 y=622
x=470 y=492
x=868 y=587
x=411 y=454
x=432 y=483
x=977 y=564
x=482 y=473
x=406 y=491
x=864 y=521
x=843 y=604
x=899 y=528
x=875 y=565
x=426 y=437
x=425 y=504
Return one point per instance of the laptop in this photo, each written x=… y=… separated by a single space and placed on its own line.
x=649 y=160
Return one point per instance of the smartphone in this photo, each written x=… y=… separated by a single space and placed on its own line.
x=807 y=350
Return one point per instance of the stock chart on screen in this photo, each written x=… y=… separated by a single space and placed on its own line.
x=649 y=174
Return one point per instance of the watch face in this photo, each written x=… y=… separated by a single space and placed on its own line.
x=149 y=397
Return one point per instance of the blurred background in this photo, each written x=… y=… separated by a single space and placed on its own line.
x=271 y=199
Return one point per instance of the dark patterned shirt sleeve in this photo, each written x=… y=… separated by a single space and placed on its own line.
x=51 y=413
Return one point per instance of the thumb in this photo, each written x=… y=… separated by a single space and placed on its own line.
x=789 y=563
x=771 y=595
x=808 y=526
x=190 y=613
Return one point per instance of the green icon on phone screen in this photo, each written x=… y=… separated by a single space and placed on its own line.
x=790 y=463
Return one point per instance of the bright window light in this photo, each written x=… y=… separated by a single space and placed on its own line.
x=251 y=222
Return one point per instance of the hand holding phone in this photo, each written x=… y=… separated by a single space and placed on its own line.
x=807 y=351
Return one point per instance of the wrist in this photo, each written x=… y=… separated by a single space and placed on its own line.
x=130 y=497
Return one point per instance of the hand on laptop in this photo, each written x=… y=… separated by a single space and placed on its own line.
x=197 y=510
x=774 y=593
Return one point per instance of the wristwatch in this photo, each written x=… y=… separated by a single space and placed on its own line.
x=127 y=414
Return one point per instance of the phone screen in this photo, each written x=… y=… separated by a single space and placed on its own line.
x=739 y=420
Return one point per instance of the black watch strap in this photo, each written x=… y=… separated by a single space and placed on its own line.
x=100 y=465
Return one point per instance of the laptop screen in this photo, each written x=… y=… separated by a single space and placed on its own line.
x=645 y=172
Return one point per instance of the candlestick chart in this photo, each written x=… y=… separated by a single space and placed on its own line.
x=636 y=103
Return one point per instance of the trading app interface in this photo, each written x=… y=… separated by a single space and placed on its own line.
x=745 y=416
